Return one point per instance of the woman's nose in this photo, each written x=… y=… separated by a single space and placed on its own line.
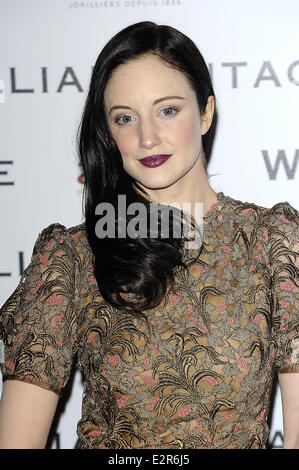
x=149 y=134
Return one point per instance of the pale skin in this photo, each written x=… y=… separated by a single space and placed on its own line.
x=289 y=387
x=26 y=410
x=26 y=415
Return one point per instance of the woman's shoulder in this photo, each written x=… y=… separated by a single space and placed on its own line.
x=280 y=213
x=58 y=240
x=57 y=228
x=58 y=232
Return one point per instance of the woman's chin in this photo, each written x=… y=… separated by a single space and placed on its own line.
x=157 y=182
x=156 y=185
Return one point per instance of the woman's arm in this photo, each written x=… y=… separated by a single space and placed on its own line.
x=289 y=387
x=26 y=415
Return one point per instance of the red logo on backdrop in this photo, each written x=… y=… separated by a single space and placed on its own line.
x=80 y=178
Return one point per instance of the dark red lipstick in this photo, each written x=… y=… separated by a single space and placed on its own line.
x=154 y=160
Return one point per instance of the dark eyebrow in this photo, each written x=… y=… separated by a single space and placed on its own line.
x=155 y=102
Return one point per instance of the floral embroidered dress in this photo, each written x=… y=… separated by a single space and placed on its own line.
x=200 y=375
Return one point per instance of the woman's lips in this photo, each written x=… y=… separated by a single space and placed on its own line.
x=154 y=160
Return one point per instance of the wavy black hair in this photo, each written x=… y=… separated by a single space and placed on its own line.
x=133 y=274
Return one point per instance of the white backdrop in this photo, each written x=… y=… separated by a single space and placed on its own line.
x=47 y=50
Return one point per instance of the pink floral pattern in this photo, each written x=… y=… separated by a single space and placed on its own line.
x=201 y=376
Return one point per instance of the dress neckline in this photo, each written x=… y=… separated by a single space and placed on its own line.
x=215 y=208
x=214 y=211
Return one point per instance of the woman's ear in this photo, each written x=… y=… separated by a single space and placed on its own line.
x=207 y=116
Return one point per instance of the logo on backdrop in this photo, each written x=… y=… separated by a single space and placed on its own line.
x=2 y=92
x=281 y=163
x=80 y=178
x=125 y=3
x=21 y=266
x=5 y=179
x=265 y=74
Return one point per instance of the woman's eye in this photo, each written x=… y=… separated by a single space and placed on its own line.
x=170 y=108
x=125 y=122
x=126 y=119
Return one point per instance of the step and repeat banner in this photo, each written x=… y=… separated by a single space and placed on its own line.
x=47 y=51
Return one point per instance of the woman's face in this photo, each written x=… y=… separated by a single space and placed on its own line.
x=143 y=122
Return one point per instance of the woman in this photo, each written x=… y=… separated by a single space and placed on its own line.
x=178 y=346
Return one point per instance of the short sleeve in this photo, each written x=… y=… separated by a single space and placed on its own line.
x=38 y=322
x=284 y=263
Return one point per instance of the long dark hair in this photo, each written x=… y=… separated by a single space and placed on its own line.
x=133 y=274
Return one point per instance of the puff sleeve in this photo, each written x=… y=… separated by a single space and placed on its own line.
x=38 y=322
x=284 y=262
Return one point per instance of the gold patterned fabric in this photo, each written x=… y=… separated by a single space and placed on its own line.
x=200 y=374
